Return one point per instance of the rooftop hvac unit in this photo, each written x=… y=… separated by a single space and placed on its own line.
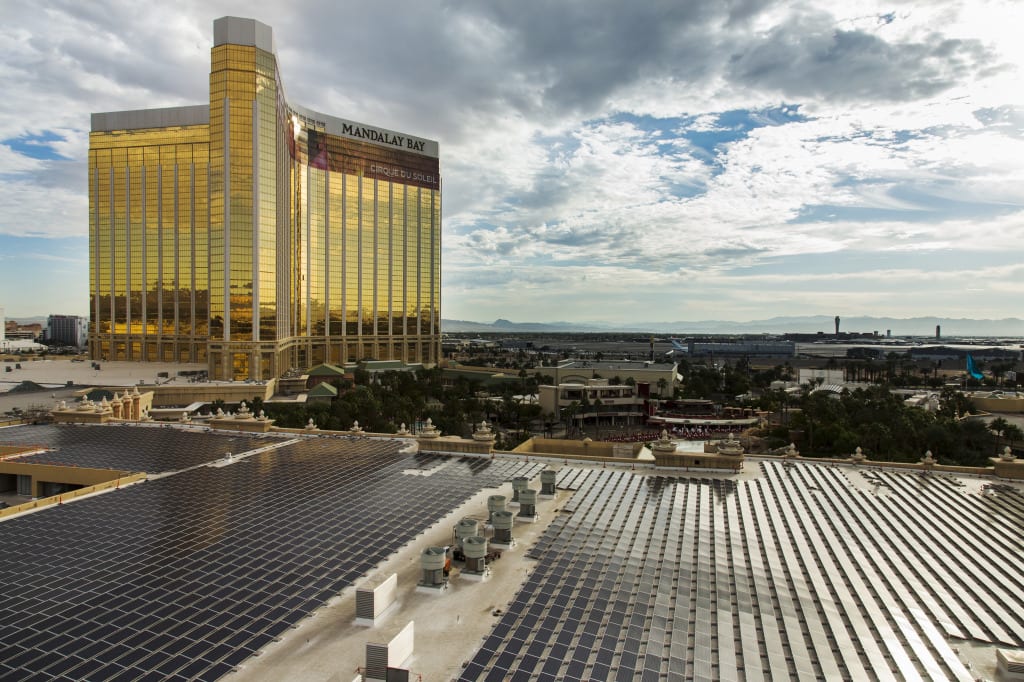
x=528 y=502
x=503 y=523
x=434 y=560
x=494 y=503
x=475 y=549
x=547 y=482
x=464 y=529
x=519 y=483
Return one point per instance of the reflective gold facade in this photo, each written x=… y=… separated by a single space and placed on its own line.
x=257 y=236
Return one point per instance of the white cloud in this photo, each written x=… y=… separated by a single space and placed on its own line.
x=578 y=173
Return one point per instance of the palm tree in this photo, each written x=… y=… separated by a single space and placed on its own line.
x=998 y=426
x=1013 y=433
x=584 y=408
x=549 y=424
x=570 y=415
x=787 y=371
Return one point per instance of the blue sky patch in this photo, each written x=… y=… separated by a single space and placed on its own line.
x=558 y=146
x=730 y=126
x=41 y=276
x=920 y=205
x=705 y=142
x=868 y=262
x=37 y=146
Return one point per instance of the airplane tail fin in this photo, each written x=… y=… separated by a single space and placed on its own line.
x=972 y=370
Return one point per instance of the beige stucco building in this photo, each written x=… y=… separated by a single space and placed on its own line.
x=595 y=401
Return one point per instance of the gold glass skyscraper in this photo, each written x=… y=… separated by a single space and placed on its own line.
x=258 y=236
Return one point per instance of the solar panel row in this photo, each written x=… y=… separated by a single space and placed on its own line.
x=187 y=576
x=793 y=574
x=151 y=449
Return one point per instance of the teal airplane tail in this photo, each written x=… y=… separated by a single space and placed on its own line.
x=971 y=369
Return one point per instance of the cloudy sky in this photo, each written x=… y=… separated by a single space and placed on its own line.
x=602 y=160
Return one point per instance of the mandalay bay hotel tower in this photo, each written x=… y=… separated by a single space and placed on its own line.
x=257 y=236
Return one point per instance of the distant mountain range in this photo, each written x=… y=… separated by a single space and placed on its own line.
x=811 y=324
x=915 y=326
x=34 y=319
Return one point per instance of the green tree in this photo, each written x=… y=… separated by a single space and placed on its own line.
x=549 y=424
x=974 y=443
x=953 y=404
x=998 y=426
x=1013 y=433
x=584 y=410
x=569 y=414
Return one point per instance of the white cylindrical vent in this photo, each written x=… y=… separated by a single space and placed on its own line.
x=466 y=528
x=433 y=558
x=432 y=561
x=475 y=549
x=527 y=502
x=503 y=522
x=518 y=484
x=495 y=503
x=547 y=482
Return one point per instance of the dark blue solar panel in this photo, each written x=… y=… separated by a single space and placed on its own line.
x=174 y=587
x=473 y=671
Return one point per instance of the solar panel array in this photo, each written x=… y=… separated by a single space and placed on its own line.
x=795 y=574
x=185 y=577
x=152 y=449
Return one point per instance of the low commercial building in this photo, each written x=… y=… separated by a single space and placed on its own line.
x=71 y=330
x=660 y=378
x=1011 y=402
x=13 y=331
x=978 y=353
x=742 y=348
x=827 y=376
x=596 y=402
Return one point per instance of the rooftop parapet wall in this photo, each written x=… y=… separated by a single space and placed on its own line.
x=175 y=394
x=868 y=463
x=579 y=448
x=698 y=460
x=7 y=451
x=123 y=479
x=195 y=115
x=55 y=473
x=91 y=479
x=459 y=445
x=1003 y=405
x=1012 y=469
x=437 y=445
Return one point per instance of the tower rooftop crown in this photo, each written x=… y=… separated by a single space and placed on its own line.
x=241 y=31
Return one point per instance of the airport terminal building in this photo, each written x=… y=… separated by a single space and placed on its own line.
x=256 y=235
